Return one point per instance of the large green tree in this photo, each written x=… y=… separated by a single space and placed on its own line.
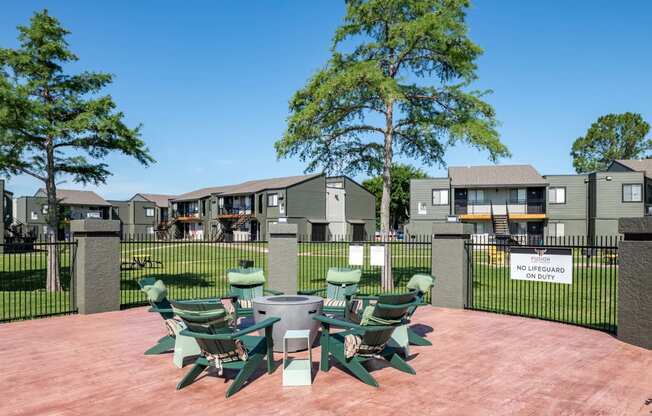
x=611 y=137
x=399 y=207
x=397 y=83
x=54 y=125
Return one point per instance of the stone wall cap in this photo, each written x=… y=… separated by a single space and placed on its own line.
x=283 y=228
x=639 y=225
x=95 y=226
x=452 y=228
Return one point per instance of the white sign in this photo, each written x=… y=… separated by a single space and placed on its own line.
x=377 y=255
x=554 y=265
x=356 y=255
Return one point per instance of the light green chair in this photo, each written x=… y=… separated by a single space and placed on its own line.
x=341 y=286
x=245 y=284
x=420 y=284
x=182 y=346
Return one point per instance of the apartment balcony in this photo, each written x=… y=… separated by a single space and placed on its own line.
x=234 y=212
x=530 y=209
x=187 y=216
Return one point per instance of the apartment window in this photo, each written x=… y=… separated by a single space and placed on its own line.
x=281 y=208
x=556 y=229
x=421 y=208
x=633 y=192
x=518 y=196
x=557 y=195
x=440 y=197
x=149 y=212
x=94 y=214
x=150 y=230
x=34 y=216
x=272 y=200
x=481 y=228
x=260 y=203
x=44 y=210
x=476 y=195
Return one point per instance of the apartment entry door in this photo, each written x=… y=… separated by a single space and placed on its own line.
x=535 y=228
x=534 y=200
x=461 y=201
x=319 y=232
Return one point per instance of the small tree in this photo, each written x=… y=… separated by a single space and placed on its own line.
x=611 y=137
x=396 y=83
x=54 y=124
x=399 y=207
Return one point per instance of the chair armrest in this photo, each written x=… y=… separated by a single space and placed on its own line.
x=349 y=325
x=232 y=335
x=273 y=292
x=160 y=310
x=310 y=291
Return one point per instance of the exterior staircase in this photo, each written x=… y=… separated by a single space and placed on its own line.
x=500 y=224
x=164 y=228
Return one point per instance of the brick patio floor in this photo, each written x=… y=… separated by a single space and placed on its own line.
x=480 y=364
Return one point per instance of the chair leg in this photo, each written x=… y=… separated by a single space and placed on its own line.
x=194 y=372
x=416 y=339
x=165 y=344
x=399 y=363
x=250 y=366
x=359 y=371
x=325 y=341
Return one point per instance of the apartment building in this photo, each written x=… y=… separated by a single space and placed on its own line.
x=31 y=211
x=320 y=206
x=141 y=215
x=517 y=200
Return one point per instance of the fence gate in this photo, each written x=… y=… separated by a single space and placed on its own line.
x=589 y=301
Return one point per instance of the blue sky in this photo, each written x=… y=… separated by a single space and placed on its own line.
x=210 y=80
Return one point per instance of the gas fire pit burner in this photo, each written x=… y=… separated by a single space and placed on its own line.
x=296 y=312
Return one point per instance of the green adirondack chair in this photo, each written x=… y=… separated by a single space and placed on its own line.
x=245 y=285
x=420 y=284
x=182 y=346
x=341 y=286
x=370 y=337
x=222 y=346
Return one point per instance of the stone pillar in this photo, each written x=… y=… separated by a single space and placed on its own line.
x=283 y=258
x=450 y=264
x=97 y=265
x=635 y=282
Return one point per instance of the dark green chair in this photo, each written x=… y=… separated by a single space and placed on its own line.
x=245 y=285
x=367 y=339
x=221 y=345
x=341 y=286
x=159 y=304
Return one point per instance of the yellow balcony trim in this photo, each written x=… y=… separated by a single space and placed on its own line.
x=527 y=216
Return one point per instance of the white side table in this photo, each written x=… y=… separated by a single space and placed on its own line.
x=297 y=371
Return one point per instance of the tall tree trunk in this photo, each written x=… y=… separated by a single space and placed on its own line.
x=387 y=280
x=53 y=282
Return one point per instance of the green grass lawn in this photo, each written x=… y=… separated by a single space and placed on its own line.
x=589 y=301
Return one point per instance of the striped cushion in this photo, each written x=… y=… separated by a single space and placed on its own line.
x=334 y=303
x=245 y=303
x=353 y=346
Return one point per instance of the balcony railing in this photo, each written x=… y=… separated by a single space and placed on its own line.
x=234 y=211
x=514 y=206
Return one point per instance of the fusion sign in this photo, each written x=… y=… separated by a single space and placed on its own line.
x=554 y=265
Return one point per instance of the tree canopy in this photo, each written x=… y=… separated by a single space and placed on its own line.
x=397 y=83
x=399 y=208
x=611 y=137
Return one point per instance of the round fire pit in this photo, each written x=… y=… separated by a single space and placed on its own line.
x=295 y=311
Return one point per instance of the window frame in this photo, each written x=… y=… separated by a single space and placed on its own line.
x=622 y=194
x=432 y=197
x=271 y=195
x=147 y=209
x=419 y=206
x=565 y=195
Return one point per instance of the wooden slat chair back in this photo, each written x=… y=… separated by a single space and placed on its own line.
x=207 y=318
x=164 y=309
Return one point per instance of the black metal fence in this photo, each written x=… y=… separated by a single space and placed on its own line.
x=589 y=301
x=23 y=279
x=408 y=257
x=190 y=269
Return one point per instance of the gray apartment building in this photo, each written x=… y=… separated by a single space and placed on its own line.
x=321 y=207
x=31 y=211
x=141 y=215
x=517 y=200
